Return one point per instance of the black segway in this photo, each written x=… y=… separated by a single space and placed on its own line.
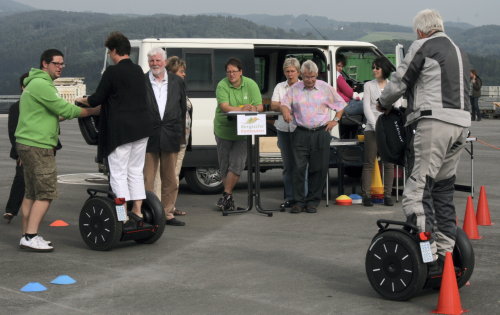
x=99 y=224
x=101 y=230
x=395 y=267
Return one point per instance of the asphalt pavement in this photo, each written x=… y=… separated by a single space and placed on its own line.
x=239 y=264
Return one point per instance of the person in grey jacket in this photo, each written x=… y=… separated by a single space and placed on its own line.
x=439 y=114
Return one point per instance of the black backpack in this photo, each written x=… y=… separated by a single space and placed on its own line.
x=391 y=136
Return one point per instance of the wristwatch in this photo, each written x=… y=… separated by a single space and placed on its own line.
x=336 y=119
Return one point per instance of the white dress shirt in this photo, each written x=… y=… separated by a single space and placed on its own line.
x=160 y=88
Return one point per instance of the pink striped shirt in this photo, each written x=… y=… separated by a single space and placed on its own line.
x=310 y=107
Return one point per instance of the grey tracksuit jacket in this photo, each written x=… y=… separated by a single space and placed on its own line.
x=434 y=77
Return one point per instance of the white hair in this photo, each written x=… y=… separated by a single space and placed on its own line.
x=309 y=66
x=157 y=51
x=291 y=62
x=427 y=21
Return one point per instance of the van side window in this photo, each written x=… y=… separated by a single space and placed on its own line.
x=199 y=71
x=261 y=70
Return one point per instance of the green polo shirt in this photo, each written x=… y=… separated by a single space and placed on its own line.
x=247 y=93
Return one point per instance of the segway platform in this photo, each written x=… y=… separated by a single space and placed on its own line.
x=395 y=267
x=101 y=230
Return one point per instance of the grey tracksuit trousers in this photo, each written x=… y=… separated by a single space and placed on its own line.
x=428 y=196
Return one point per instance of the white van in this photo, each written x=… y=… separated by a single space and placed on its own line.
x=262 y=61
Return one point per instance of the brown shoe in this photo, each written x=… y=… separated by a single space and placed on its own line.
x=296 y=209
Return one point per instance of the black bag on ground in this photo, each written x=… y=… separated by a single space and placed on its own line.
x=391 y=137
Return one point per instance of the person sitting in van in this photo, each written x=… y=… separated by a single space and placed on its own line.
x=354 y=105
x=234 y=93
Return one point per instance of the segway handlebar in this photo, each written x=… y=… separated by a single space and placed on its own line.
x=384 y=224
x=92 y=192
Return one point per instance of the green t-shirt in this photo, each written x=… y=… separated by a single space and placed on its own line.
x=247 y=93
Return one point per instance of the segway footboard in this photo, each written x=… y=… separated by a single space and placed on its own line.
x=463 y=261
x=101 y=230
x=395 y=268
x=154 y=221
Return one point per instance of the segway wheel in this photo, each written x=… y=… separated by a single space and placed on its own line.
x=463 y=260
x=154 y=215
x=394 y=267
x=463 y=257
x=98 y=222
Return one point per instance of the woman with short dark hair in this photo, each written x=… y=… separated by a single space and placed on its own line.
x=381 y=68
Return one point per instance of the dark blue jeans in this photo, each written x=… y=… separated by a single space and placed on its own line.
x=475 y=113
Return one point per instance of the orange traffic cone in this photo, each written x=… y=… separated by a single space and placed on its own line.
x=483 y=210
x=59 y=223
x=470 y=223
x=449 y=298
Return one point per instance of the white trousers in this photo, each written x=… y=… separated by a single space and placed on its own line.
x=126 y=165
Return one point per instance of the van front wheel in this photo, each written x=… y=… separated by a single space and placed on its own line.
x=204 y=180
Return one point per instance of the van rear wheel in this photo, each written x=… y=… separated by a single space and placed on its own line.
x=204 y=180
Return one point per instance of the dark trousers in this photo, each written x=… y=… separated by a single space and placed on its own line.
x=310 y=148
x=474 y=103
x=16 y=192
x=285 y=145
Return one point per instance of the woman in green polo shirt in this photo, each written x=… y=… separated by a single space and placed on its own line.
x=234 y=93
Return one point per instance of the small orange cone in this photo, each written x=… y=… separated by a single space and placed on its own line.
x=59 y=223
x=449 y=298
x=470 y=223
x=483 y=210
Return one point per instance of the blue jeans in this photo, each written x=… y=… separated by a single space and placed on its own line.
x=354 y=107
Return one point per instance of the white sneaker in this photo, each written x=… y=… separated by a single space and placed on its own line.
x=47 y=242
x=36 y=244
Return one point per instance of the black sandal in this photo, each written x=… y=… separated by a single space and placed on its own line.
x=139 y=220
x=8 y=216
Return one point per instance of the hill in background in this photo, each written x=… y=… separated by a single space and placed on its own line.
x=24 y=35
x=9 y=7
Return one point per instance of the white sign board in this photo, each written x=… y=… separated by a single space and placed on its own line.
x=251 y=125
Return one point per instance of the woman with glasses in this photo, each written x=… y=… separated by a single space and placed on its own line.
x=381 y=68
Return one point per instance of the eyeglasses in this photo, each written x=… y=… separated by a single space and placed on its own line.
x=232 y=72
x=58 y=64
x=376 y=68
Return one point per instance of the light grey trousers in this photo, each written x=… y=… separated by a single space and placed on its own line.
x=428 y=195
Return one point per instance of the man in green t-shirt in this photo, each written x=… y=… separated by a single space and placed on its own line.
x=234 y=93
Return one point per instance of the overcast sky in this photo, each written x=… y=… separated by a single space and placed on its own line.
x=476 y=12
